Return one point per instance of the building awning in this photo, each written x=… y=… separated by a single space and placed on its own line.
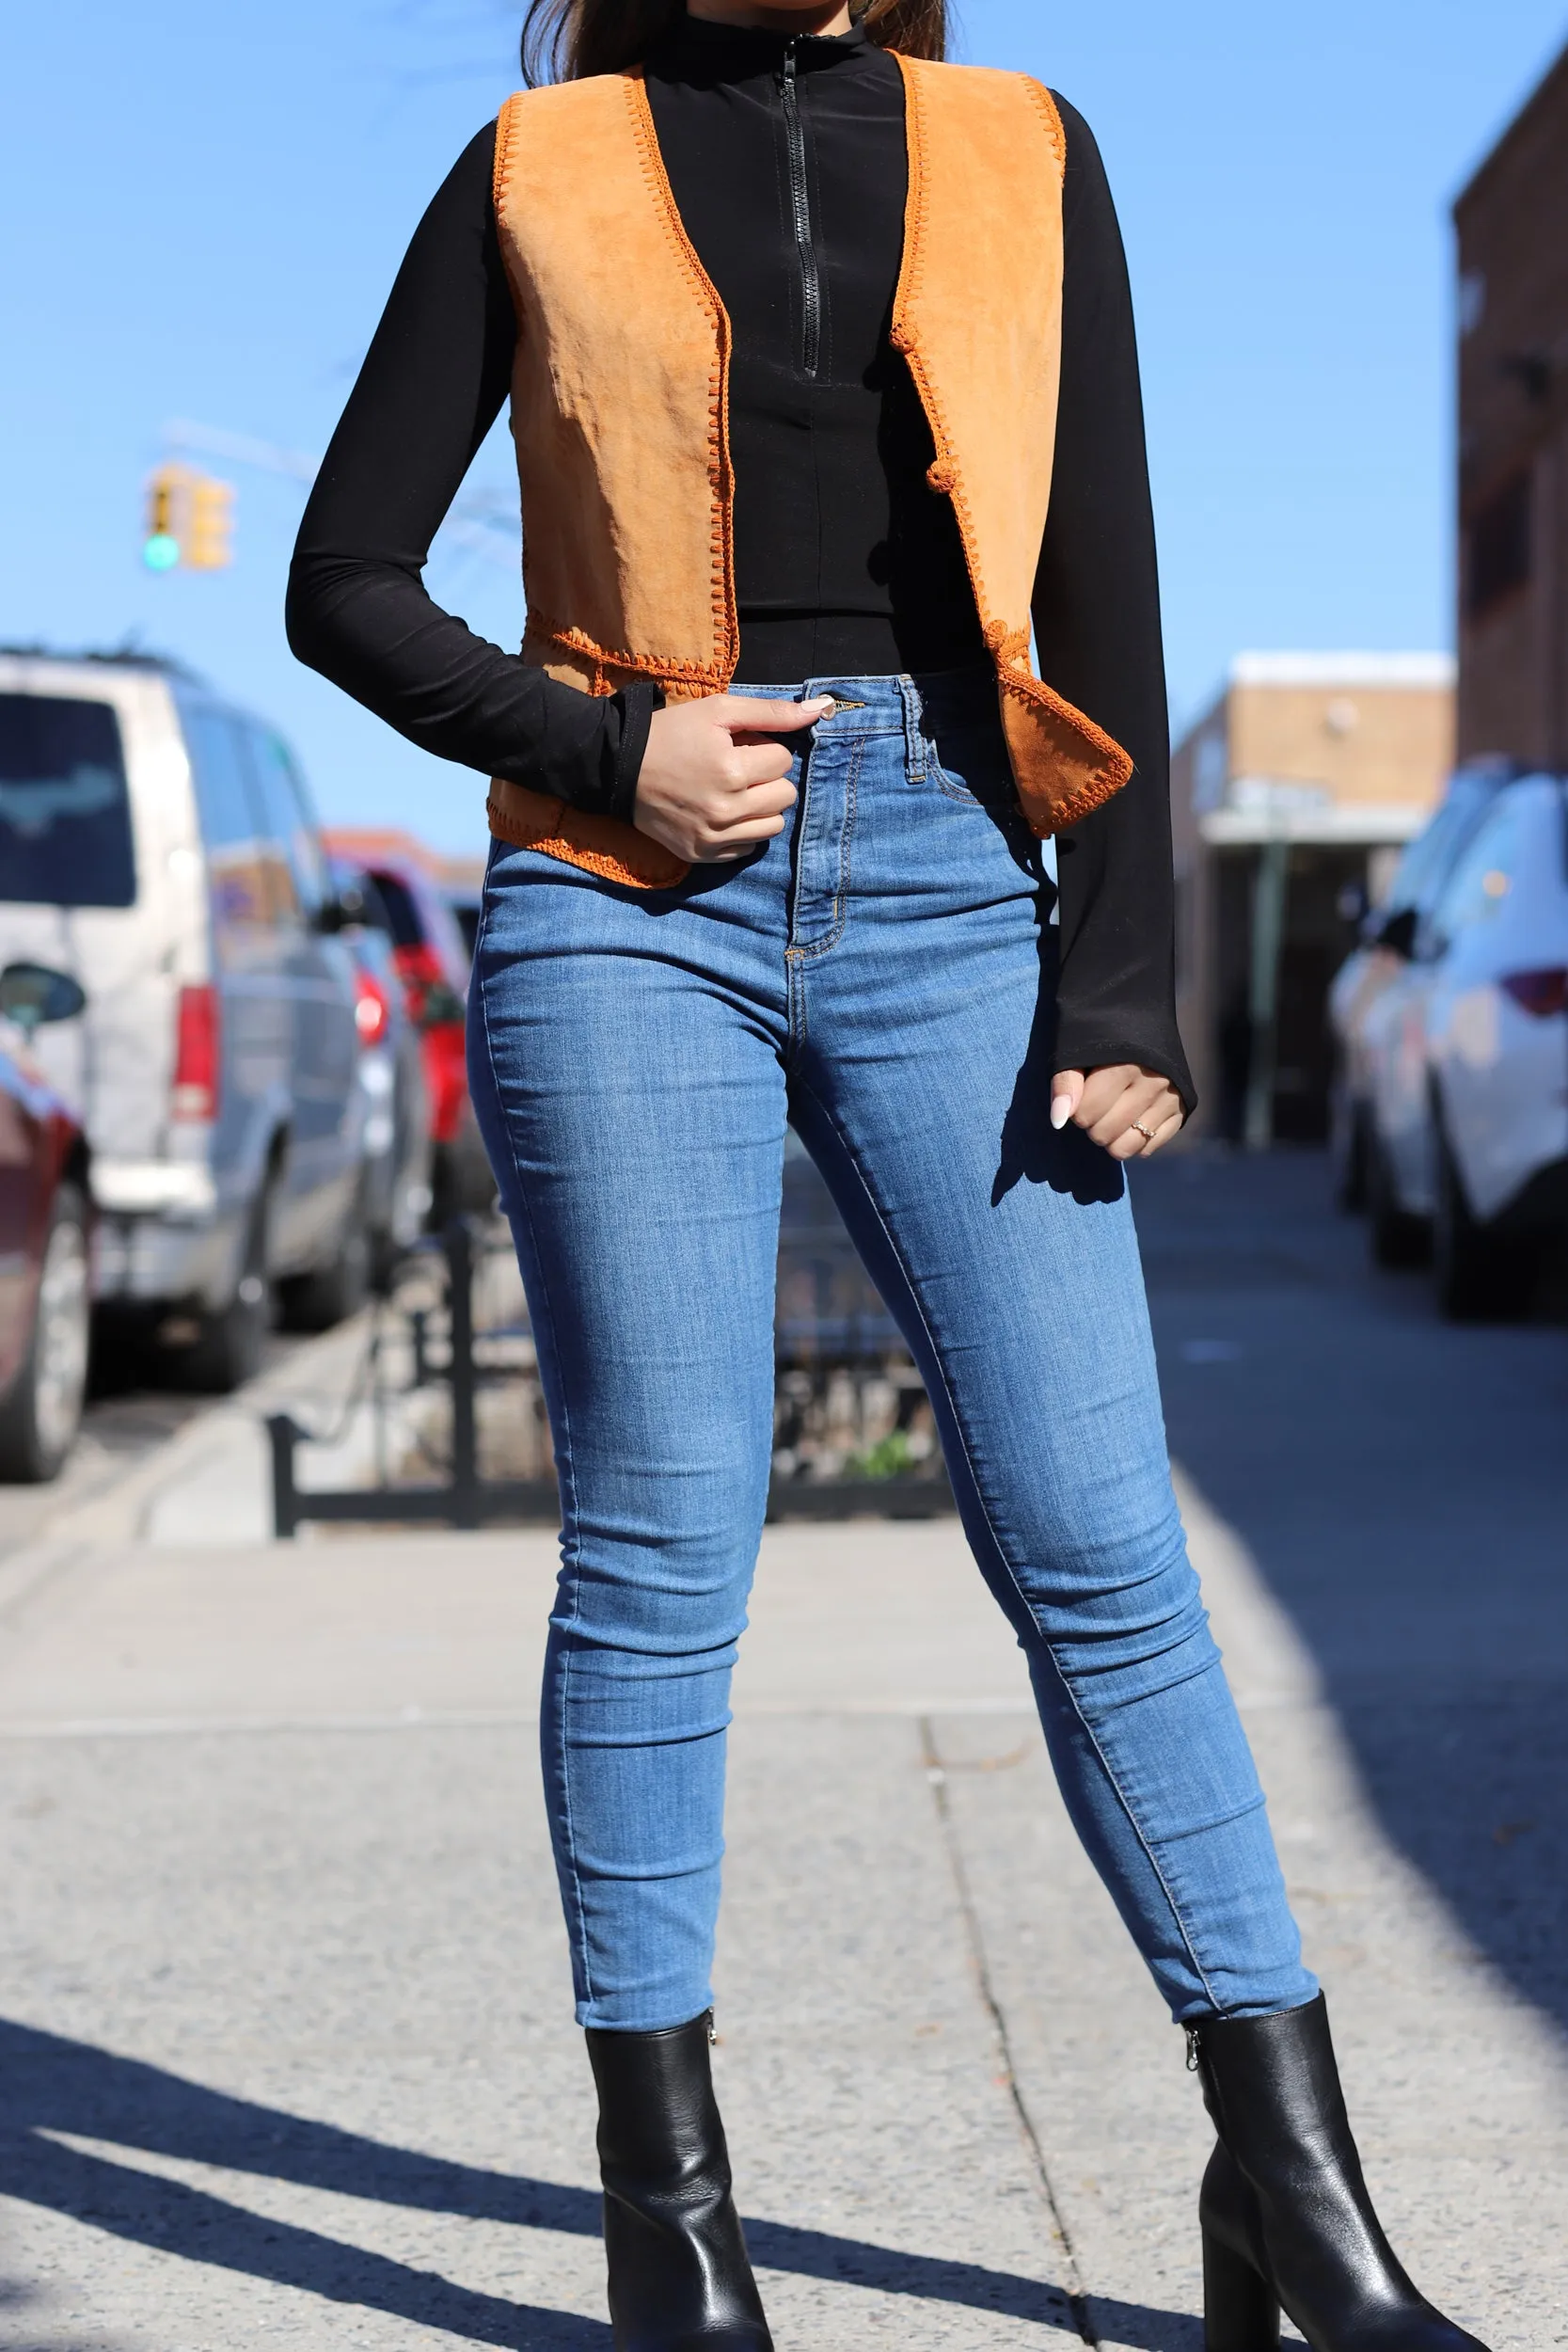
x=1258 y=809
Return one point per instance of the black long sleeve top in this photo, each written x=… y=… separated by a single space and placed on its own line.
x=847 y=562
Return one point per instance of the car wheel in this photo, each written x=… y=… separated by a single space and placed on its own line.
x=1398 y=1237
x=316 y=1301
x=385 y=1258
x=229 y=1352
x=42 y=1412
x=1481 y=1277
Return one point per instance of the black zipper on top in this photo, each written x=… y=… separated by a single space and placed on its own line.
x=799 y=204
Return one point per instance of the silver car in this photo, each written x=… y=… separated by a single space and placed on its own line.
x=159 y=846
x=1491 y=1167
x=1376 y=1012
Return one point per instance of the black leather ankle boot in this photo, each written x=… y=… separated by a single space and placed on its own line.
x=680 y=2279
x=1287 y=2220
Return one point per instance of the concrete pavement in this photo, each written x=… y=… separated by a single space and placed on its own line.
x=136 y=1424
x=286 y=2049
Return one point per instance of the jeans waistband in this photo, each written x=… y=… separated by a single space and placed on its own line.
x=913 y=704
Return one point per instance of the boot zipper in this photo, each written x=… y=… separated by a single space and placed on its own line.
x=799 y=202
x=1194 y=2045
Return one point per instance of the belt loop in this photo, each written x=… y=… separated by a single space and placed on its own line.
x=914 y=732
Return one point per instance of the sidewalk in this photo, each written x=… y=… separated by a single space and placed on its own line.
x=290 y=2052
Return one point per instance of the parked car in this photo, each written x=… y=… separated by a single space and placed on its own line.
x=432 y=959
x=1497 y=1051
x=160 y=844
x=45 y=1235
x=1372 y=999
x=1468 y=1086
x=397 y=1139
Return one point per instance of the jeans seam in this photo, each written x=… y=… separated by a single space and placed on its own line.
x=950 y=789
x=798 y=1025
x=569 y=1495
x=812 y=948
x=874 y=1205
x=959 y=794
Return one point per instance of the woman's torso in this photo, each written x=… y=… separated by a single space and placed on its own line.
x=788 y=162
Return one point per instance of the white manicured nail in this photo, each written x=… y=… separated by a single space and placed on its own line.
x=1061 y=1109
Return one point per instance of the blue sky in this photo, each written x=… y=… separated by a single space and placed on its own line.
x=203 y=206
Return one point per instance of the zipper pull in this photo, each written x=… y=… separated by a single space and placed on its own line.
x=1193 y=2046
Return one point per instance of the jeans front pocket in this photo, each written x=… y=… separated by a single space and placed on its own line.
x=969 y=763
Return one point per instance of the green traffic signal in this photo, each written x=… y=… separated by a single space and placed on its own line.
x=189 y=521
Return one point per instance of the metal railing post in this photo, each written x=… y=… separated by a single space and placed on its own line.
x=464 y=1438
x=284 y=1435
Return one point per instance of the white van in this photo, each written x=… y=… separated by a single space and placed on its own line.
x=159 y=846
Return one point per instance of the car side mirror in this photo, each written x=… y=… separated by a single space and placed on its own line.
x=1397 y=933
x=32 y=993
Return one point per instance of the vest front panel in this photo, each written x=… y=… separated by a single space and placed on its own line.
x=979 y=314
x=620 y=386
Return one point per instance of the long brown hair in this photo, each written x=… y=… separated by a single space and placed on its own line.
x=563 y=40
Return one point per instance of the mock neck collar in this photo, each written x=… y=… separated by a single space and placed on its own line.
x=697 y=48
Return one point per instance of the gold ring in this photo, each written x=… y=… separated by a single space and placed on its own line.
x=1147 y=1132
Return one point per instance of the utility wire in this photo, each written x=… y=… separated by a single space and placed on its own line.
x=479 y=518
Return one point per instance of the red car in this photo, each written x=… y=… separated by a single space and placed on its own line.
x=46 y=1236
x=432 y=959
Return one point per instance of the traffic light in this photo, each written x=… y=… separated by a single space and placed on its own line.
x=190 y=521
x=166 y=499
x=210 y=544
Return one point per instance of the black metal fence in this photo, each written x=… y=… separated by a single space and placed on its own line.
x=463 y=1498
x=853 y=1431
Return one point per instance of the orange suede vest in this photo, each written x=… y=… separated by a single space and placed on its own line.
x=619 y=414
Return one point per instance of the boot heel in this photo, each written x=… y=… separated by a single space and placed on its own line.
x=1240 y=2310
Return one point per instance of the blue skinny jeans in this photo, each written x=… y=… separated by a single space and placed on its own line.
x=880 y=976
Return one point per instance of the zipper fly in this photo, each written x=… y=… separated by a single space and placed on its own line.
x=805 y=238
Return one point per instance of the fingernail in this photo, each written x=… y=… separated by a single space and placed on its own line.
x=826 y=705
x=1061 y=1109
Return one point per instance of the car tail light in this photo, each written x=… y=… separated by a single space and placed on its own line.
x=194 y=1092
x=1541 y=992
x=371 y=1012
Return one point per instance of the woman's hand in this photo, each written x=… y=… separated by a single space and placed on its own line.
x=710 y=786
x=1129 y=1110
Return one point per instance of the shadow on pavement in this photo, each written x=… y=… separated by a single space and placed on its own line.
x=1400 y=1483
x=52 y=2086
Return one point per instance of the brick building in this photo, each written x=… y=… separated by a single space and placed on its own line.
x=1513 y=230
x=1290 y=799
